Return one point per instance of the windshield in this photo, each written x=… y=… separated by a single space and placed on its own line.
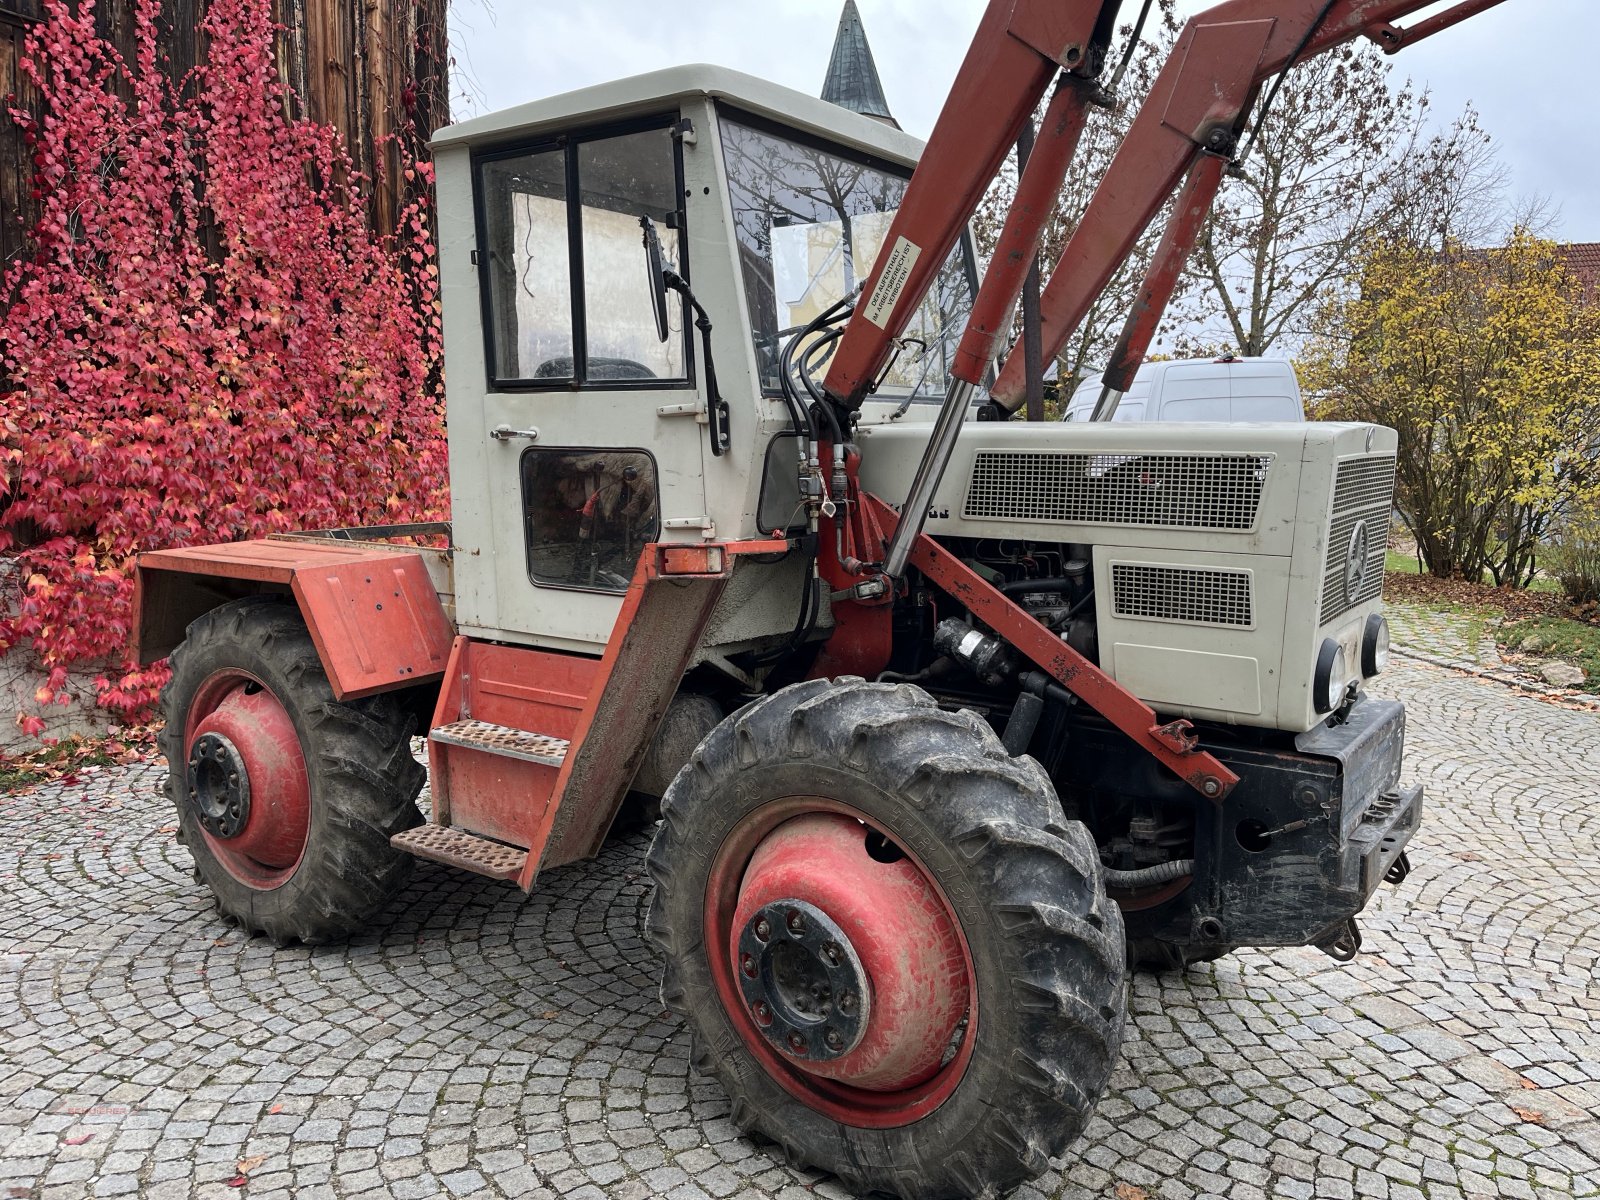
x=810 y=224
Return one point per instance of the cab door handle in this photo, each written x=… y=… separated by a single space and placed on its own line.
x=504 y=433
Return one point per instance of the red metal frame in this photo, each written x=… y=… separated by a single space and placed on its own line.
x=1056 y=142
x=1173 y=744
x=1019 y=46
x=373 y=613
x=650 y=648
x=519 y=687
x=1199 y=103
x=1166 y=268
x=863 y=631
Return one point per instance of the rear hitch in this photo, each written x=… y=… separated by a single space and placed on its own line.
x=1398 y=870
x=1344 y=945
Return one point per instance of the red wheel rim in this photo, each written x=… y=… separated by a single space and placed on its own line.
x=909 y=939
x=237 y=706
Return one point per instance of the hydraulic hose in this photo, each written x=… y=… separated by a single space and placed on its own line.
x=1147 y=876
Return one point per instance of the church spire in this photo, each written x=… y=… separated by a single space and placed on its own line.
x=852 y=80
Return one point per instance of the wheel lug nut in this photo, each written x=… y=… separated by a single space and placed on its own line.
x=797 y=1043
x=763 y=1013
x=830 y=954
x=797 y=923
x=834 y=1039
x=747 y=964
x=763 y=929
x=847 y=1002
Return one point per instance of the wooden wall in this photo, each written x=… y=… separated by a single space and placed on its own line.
x=368 y=67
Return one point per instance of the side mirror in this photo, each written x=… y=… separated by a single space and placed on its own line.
x=658 y=277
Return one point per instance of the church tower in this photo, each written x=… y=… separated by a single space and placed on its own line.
x=852 y=80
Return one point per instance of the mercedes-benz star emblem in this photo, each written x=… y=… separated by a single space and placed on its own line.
x=1355 y=561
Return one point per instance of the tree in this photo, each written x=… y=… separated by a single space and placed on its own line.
x=1487 y=363
x=1091 y=343
x=1317 y=176
x=209 y=343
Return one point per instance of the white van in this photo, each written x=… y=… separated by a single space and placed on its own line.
x=1222 y=389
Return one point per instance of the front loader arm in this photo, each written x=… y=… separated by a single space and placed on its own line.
x=1198 y=106
x=1019 y=47
x=1196 y=111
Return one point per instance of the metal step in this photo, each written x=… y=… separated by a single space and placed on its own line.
x=460 y=849
x=503 y=740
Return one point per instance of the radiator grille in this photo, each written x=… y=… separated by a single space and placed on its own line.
x=1201 y=597
x=1363 y=496
x=1182 y=491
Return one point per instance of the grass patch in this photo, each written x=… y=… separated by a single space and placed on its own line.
x=55 y=763
x=1396 y=563
x=50 y=763
x=1573 y=641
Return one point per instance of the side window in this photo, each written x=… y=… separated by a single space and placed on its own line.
x=567 y=298
x=527 y=263
x=622 y=179
x=588 y=514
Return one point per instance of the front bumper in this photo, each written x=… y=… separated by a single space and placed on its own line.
x=1329 y=820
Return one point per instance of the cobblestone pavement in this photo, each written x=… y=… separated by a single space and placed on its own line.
x=1466 y=641
x=483 y=1043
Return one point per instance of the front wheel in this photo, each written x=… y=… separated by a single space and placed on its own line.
x=889 y=945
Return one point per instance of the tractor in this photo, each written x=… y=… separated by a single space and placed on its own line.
x=948 y=720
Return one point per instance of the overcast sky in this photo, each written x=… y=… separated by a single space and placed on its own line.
x=1528 y=66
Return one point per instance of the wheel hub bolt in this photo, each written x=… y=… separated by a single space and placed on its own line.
x=802 y=981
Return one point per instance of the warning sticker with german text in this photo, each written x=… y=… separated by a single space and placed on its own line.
x=902 y=261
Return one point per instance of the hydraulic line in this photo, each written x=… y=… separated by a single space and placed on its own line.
x=1147 y=876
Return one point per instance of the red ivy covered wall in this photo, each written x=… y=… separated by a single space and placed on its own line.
x=214 y=337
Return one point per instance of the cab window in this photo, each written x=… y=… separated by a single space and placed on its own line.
x=566 y=294
x=811 y=220
x=588 y=514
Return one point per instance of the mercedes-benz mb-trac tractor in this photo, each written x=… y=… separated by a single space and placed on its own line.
x=948 y=718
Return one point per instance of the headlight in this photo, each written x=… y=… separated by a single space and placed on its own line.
x=1332 y=679
x=1374 y=646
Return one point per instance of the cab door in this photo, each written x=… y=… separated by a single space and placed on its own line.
x=579 y=443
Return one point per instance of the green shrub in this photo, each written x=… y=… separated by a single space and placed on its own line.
x=1574 y=559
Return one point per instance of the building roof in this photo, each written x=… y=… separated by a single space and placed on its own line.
x=852 y=81
x=1583 y=261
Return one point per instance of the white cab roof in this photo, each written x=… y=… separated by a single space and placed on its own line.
x=641 y=94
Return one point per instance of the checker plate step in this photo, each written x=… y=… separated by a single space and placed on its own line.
x=457 y=848
x=502 y=739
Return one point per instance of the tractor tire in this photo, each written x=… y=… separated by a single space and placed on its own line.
x=873 y=844
x=286 y=797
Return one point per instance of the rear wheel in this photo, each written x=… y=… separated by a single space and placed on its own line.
x=285 y=796
x=889 y=945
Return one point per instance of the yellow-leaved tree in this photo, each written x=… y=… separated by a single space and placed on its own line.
x=1487 y=362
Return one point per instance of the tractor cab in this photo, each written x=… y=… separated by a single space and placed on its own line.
x=582 y=422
